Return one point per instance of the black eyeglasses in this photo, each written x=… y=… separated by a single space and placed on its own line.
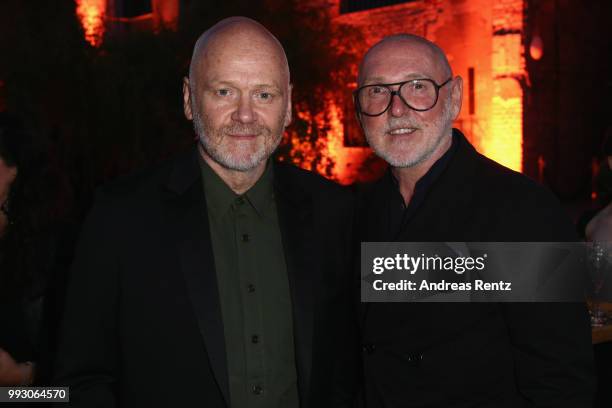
x=418 y=94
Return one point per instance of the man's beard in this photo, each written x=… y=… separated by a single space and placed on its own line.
x=440 y=126
x=238 y=156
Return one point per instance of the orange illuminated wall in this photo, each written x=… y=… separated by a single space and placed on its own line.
x=483 y=42
x=98 y=16
x=91 y=13
x=165 y=13
x=328 y=156
x=504 y=142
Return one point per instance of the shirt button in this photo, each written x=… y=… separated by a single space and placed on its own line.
x=245 y=238
x=257 y=389
x=239 y=201
x=369 y=348
x=251 y=288
x=414 y=359
x=254 y=339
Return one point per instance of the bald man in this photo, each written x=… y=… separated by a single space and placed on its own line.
x=439 y=189
x=221 y=278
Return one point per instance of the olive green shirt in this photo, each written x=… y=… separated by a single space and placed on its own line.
x=253 y=291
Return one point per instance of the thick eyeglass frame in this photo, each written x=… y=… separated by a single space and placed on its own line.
x=398 y=93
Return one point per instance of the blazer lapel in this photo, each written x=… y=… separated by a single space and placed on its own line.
x=449 y=200
x=295 y=215
x=373 y=225
x=186 y=210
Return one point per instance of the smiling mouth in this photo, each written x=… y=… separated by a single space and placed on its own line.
x=243 y=135
x=402 y=131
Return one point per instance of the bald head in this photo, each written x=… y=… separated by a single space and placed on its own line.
x=239 y=34
x=402 y=44
x=238 y=95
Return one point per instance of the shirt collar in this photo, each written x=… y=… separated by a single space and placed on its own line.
x=261 y=195
x=220 y=197
x=429 y=178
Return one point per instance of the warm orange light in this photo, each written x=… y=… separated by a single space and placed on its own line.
x=491 y=53
x=166 y=13
x=315 y=157
x=335 y=144
x=91 y=13
x=327 y=156
x=536 y=48
x=504 y=141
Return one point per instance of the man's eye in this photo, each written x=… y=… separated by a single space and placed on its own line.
x=264 y=96
x=377 y=90
x=419 y=86
x=223 y=92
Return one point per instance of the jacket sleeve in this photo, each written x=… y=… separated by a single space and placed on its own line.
x=552 y=352
x=87 y=356
x=551 y=342
x=347 y=373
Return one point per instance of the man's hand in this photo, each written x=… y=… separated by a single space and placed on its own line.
x=13 y=373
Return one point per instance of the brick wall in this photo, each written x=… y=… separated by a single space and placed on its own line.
x=504 y=142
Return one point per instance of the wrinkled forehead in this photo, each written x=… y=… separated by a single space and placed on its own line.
x=398 y=60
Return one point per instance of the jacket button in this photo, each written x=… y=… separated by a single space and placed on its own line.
x=369 y=348
x=257 y=389
x=414 y=360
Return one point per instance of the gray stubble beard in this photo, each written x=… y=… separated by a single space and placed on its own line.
x=225 y=159
x=427 y=154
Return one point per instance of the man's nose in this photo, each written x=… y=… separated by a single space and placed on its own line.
x=244 y=112
x=398 y=107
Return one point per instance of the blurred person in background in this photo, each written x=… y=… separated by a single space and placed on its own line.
x=599 y=228
x=34 y=252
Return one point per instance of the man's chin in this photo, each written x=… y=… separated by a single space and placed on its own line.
x=398 y=157
x=243 y=164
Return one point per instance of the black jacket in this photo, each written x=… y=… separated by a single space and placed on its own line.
x=475 y=355
x=143 y=324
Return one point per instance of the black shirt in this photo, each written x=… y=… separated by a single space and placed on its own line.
x=400 y=213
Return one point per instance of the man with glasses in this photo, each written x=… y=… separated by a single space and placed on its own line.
x=439 y=189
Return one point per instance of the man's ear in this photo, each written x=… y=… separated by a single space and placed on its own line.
x=289 y=109
x=187 y=99
x=456 y=96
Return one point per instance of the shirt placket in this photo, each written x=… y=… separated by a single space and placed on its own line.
x=251 y=295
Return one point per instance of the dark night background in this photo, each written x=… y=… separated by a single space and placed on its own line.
x=117 y=107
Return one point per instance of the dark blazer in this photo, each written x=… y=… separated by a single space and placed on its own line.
x=475 y=355
x=143 y=324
